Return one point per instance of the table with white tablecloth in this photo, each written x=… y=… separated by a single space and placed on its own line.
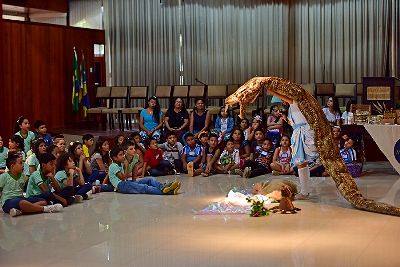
x=387 y=137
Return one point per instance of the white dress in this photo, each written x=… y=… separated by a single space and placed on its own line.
x=303 y=142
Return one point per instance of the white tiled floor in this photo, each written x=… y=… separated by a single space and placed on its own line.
x=143 y=230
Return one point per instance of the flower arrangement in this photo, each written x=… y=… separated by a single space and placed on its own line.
x=257 y=208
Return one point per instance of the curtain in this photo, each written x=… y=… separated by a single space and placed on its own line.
x=229 y=41
x=86 y=14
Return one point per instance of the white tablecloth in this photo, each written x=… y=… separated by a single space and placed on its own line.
x=386 y=137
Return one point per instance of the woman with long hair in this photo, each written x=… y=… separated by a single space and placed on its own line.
x=332 y=111
x=151 y=120
x=176 y=119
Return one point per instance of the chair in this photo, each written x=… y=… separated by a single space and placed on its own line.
x=323 y=90
x=231 y=88
x=195 y=91
x=344 y=91
x=309 y=87
x=359 y=92
x=117 y=92
x=216 y=92
x=102 y=95
x=139 y=94
x=163 y=92
x=181 y=91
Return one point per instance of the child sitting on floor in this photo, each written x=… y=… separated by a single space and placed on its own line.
x=211 y=155
x=349 y=156
x=3 y=156
x=147 y=185
x=132 y=166
x=224 y=124
x=12 y=198
x=88 y=141
x=172 y=151
x=260 y=161
x=191 y=156
x=42 y=180
x=41 y=132
x=154 y=163
x=282 y=157
x=348 y=153
x=38 y=148
x=229 y=159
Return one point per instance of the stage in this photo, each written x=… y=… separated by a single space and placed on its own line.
x=114 y=229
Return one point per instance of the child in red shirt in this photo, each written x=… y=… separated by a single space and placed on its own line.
x=154 y=162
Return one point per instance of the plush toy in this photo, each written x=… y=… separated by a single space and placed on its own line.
x=285 y=204
x=273 y=188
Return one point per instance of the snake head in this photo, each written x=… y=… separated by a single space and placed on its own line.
x=245 y=94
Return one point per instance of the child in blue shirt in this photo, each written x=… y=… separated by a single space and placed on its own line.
x=147 y=185
x=224 y=124
x=191 y=156
x=12 y=198
x=348 y=153
x=41 y=132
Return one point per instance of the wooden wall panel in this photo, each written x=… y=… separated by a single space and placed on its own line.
x=37 y=76
x=54 y=5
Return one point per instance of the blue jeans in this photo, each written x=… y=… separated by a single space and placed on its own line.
x=147 y=185
x=161 y=169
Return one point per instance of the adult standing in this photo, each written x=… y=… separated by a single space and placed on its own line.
x=305 y=156
x=151 y=120
x=177 y=119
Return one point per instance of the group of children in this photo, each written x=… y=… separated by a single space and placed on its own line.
x=53 y=178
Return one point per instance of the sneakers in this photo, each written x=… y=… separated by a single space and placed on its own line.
x=276 y=173
x=247 y=172
x=78 y=198
x=15 y=212
x=170 y=187
x=53 y=208
x=176 y=190
x=190 y=169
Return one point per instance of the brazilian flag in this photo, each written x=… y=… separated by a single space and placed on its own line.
x=75 y=83
x=83 y=93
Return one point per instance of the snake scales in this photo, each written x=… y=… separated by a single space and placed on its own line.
x=329 y=153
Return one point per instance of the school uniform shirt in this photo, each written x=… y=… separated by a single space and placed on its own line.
x=153 y=157
x=171 y=152
x=32 y=160
x=229 y=157
x=113 y=170
x=27 y=140
x=348 y=155
x=192 y=153
x=35 y=180
x=3 y=157
x=255 y=147
x=63 y=175
x=11 y=187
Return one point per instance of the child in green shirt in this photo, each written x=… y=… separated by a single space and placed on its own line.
x=11 y=185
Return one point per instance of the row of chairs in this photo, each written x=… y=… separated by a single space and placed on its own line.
x=133 y=99
x=339 y=90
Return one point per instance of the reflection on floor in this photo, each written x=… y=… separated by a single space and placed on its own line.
x=143 y=230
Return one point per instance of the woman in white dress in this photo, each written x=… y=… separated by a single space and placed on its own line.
x=332 y=111
x=304 y=152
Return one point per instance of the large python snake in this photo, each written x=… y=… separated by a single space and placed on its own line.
x=329 y=152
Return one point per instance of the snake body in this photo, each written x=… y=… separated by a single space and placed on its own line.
x=329 y=152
